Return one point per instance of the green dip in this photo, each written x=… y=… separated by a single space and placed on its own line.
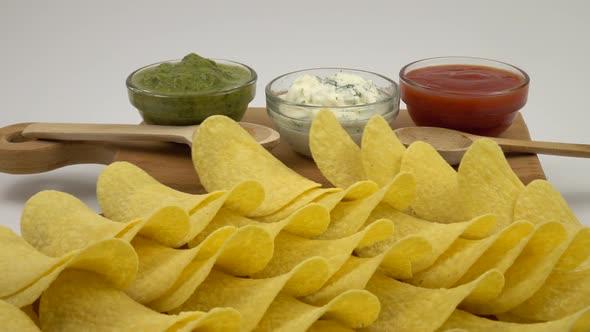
x=193 y=74
x=188 y=91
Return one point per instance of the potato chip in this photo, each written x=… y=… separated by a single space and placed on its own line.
x=13 y=319
x=381 y=151
x=529 y=271
x=139 y=192
x=162 y=268
x=50 y=216
x=27 y=272
x=410 y=308
x=579 y=321
x=332 y=147
x=562 y=294
x=402 y=258
x=578 y=251
x=540 y=202
x=126 y=192
x=309 y=221
x=31 y=311
x=247 y=251
x=439 y=236
x=291 y=249
x=355 y=273
x=437 y=188
x=487 y=182
x=357 y=191
x=223 y=163
x=502 y=254
x=348 y=217
x=97 y=306
x=252 y=297
x=288 y=314
x=299 y=202
x=328 y=326
x=461 y=256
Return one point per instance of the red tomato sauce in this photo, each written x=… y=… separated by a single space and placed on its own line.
x=472 y=98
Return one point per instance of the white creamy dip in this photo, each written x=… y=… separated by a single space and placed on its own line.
x=352 y=98
x=339 y=90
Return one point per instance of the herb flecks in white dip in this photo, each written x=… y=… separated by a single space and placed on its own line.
x=342 y=89
x=338 y=90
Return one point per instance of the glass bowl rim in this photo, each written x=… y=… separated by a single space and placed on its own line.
x=403 y=78
x=132 y=87
x=276 y=98
x=394 y=111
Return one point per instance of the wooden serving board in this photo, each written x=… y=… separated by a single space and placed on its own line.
x=171 y=163
x=173 y=166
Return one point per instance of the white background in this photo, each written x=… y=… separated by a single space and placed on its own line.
x=66 y=61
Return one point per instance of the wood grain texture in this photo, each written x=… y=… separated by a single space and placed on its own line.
x=171 y=163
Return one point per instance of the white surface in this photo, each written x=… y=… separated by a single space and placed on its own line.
x=66 y=61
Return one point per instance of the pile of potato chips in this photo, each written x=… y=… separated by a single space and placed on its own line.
x=403 y=242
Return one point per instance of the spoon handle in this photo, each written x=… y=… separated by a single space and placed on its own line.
x=103 y=132
x=552 y=148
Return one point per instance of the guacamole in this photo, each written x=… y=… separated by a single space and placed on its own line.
x=193 y=74
x=186 y=92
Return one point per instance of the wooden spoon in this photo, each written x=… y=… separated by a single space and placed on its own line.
x=267 y=137
x=452 y=144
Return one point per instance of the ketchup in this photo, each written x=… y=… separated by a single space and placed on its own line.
x=473 y=98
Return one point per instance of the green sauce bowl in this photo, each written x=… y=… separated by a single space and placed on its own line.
x=190 y=108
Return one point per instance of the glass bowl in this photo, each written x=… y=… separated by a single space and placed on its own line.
x=479 y=96
x=182 y=109
x=293 y=120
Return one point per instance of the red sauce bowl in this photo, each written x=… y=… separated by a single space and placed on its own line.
x=474 y=95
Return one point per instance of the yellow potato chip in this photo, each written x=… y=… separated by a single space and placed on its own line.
x=252 y=297
x=501 y=255
x=461 y=256
x=487 y=182
x=301 y=201
x=355 y=273
x=440 y=236
x=328 y=326
x=57 y=223
x=540 y=202
x=291 y=249
x=223 y=163
x=381 y=151
x=27 y=272
x=309 y=221
x=337 y=156
x=31 y=311
x=13 y=319
x=579 y=322
x=288 y=314
x=348 y=217
x=578 y=251
x=126 y=192
x=247 y=251
x=141 y=194
x=529 y=271
x=97 y=306
x=403 y=258
x=409 y=308
x=562 y=294
x=357 y=191
x=166 y=276
x=437 y=188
